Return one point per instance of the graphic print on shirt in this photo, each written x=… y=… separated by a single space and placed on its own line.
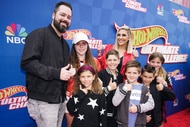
x=134 y=99
x=135 y=96
x=80 y=117
x=92 y=103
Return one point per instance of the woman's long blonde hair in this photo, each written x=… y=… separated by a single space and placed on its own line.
x=129 y=47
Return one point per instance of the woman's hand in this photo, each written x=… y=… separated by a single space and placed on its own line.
x=99 y=49
x=135 y=53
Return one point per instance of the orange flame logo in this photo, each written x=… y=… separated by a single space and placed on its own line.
x=9 y=91
x=68 y=35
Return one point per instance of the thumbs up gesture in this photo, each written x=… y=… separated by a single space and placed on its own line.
x=159 y=87
x=128 y=86
x=132 y=108
x=112 y=85
x=65 y=74
x=72 y=70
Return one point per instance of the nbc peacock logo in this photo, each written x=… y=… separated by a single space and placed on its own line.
x=160 y=10
x=16 y=34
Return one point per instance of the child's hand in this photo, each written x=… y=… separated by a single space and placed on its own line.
x=148 y=118
x=159 y=87
x=112 y=85
x=83 y=89
x=132 y=108
x=128 y=85
x=161 y=80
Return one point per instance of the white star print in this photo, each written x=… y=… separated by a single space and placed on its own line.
x=80 y=117
x=75 y=110
x=92 y=103
x=102 y=112
x=76 y=100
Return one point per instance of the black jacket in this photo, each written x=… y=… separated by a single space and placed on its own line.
x=159 y=98
x=105 y=76
x=43 y=56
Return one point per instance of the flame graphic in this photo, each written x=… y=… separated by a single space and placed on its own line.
x=9 y=91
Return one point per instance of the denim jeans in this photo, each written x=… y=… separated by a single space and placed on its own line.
x=45 y=114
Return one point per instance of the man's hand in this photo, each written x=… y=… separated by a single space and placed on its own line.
x=65 y=73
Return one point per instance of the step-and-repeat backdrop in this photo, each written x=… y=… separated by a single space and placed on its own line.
x=157 y=25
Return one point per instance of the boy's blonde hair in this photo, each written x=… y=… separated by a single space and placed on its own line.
x=133 y=63
x=112 y=52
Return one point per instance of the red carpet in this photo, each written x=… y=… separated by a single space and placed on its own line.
x=179 y=119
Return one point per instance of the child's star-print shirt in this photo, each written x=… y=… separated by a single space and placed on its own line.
x=89 y=110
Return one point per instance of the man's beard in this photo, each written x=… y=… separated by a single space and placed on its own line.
x=60 y=28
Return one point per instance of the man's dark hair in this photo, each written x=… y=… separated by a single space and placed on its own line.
x=62 y=3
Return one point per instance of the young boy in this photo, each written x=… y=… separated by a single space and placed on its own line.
x=132 y=98
x=110 y=78
x=160 y=93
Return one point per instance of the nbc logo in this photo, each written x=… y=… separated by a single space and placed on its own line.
x=15 y=34
x=160 y=10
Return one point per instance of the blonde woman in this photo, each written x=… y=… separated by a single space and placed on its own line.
x=123 y=44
